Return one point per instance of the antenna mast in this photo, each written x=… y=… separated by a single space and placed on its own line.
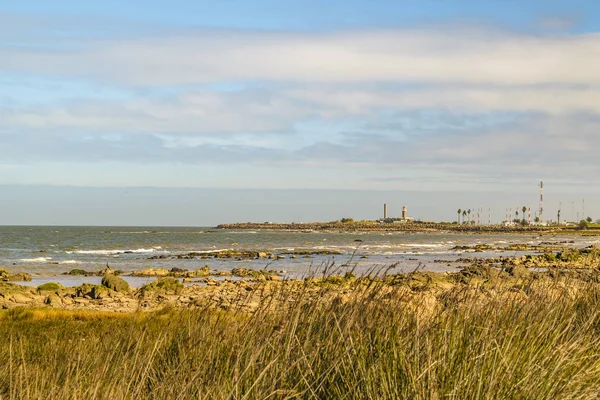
x=541 y=200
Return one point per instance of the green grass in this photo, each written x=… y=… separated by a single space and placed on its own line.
x=534 y=340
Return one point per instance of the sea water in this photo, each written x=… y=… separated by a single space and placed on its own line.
x=47 y=252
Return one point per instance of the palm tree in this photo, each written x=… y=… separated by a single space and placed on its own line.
x=469 y=212
x=458 y=212
x=524 y=209
x=464 y=215
x=517 y=215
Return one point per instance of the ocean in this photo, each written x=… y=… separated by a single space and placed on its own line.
x=47 y=252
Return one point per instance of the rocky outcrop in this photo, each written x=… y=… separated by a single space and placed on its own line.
x=17 y=277
x=115 y=283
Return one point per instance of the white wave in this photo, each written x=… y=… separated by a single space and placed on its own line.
x=37 y=259
x=69 y=262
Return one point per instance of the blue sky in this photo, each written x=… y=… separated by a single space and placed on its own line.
x=429 y=96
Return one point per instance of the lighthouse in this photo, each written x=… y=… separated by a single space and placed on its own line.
x=404 y=213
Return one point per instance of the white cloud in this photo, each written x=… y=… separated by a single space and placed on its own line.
x=434 y=55
x=548 y=85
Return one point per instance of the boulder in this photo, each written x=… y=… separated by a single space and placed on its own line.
x=53 y=300
x=50 y=286
x=115 y=283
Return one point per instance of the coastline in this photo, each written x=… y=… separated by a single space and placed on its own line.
x=246 y=289
x=374 y=226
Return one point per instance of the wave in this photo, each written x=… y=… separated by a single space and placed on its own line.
x=69 y=262
x=37 y=259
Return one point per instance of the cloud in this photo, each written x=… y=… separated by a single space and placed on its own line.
x=524 y=147
x=475 y=55
x=437 y=103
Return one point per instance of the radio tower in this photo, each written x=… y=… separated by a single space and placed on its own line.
x=541 y=201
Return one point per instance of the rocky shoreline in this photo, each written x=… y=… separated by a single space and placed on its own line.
x=254 y=286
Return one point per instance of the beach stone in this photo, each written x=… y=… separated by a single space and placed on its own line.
x=115 y=283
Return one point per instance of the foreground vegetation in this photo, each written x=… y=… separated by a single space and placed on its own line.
x=483 y=335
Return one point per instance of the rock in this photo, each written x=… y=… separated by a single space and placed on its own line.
x=201 y=272
x=90 y=292
x=79 y=272
x=20 y=298
x=50 y=286
x=18 y=277
x=162 y=285
x=115 y=283
x=151 y=272
x=98 y=292
x=107 y=270
x=53 y=300
x=178 y=272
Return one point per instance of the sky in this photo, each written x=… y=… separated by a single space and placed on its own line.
x=251 y=104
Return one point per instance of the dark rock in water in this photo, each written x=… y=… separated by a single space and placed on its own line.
x=115 y=283
x=79 y=272
x=176 y=270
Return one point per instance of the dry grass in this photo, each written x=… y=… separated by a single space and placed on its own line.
x=535 y=340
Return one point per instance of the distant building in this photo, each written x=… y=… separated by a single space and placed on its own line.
x=402 y=220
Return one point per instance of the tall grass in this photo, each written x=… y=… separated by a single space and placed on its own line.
x=537 y=341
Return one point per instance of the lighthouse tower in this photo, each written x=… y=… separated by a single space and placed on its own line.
x=404 y=212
